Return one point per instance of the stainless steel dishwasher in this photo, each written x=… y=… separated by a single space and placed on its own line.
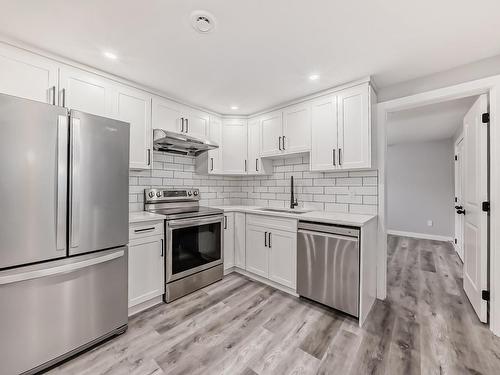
x=328 y=265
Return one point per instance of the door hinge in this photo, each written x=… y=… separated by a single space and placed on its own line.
x=456 y=241
x=485 y=118
x=486 y=206
x=485 y=295
x=456 y=157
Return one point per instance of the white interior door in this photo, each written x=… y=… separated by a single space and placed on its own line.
x=459 y=199
x=475 y=193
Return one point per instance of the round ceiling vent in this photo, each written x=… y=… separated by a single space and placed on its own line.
x=202 y=21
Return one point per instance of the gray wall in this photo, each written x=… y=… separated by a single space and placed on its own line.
x=470 y=72
x=354 y=192
x=420 y=187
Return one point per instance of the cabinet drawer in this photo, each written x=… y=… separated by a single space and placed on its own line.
x=145 y=229
x=272 y=222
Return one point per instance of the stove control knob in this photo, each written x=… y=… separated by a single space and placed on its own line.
x=190 y=193
x=151 y=194
x=158 y=194
x=195 y=193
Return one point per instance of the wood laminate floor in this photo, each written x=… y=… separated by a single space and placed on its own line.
x=239 y=326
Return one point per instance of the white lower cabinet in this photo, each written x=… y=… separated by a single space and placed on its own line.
x=145 y=263
x=239 y=239
x=271 y=252
x=228 y=240
x=257 y=256
x=283 y=258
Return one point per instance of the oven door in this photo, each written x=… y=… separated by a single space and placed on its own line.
x=193 y=245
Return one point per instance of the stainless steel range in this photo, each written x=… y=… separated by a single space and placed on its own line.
x=193 y=238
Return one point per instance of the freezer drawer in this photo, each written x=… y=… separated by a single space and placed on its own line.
x=328 y=266
x=51 y=309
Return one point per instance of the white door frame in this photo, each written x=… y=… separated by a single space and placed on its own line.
x=490 y=86
x=459 y=139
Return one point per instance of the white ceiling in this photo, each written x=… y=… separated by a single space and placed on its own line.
x=261 y=52
x=427 y=123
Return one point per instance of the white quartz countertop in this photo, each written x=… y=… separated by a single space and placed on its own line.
x=340 y=218
x=141 y=216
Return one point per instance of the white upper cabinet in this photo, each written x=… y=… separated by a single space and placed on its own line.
x=134 y=106
x=27 y=75
x=166 y=115
x=91 y=93
x=86 y=92
x=341 y=130
x=197 y=123
x=253 y=146
x=271 y=136
x=324 y=134
x=172 y=116
x=354 y=130
x=234 y=146
x=215 y=135
x=297 y=128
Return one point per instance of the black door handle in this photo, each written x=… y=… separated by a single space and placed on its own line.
x=458 y=207
x=461 y=212
x=270 y=240
x=265 y=239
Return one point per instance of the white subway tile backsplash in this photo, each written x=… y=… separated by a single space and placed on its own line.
x=354 y=192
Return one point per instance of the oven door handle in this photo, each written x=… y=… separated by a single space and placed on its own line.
x=182 y=223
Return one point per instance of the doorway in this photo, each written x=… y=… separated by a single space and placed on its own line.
x=436 y=183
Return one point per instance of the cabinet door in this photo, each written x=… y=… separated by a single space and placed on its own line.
x=145 y=270
x=324 y=134
x=234 y=146
x=283 y=258
x=197 y=123
x=86 y=92
x=354 y=128
x=257 y=256
x=166 y=115
x=215 y=134
x=297 y=128
x=254 y=162
x=228 y=240
x=27 y=75
x=271 y=134
x=134 y=106
x=239 y=239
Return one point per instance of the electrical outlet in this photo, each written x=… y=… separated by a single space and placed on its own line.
x=430 y=223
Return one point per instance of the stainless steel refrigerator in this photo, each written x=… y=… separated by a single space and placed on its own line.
x=63 y=232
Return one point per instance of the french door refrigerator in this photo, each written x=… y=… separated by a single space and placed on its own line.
x=63 y=232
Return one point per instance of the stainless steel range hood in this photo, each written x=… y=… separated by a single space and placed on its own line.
x=183 y=144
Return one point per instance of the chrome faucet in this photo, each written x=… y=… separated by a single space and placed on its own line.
x=293 y=202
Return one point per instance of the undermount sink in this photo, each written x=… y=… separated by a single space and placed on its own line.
x=285 y=210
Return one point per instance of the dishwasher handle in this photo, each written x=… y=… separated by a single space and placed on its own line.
x=329 y=229
x=329 y=235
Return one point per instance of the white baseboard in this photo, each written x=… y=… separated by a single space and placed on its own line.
x=423 y=236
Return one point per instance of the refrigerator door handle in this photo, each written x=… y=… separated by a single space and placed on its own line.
x=75 y=183
x=62 y=165
x=35 y=274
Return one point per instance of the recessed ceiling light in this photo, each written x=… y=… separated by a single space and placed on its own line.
x=110 y=55
x=202 y=21
x=314 y=77
x=234 y=107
